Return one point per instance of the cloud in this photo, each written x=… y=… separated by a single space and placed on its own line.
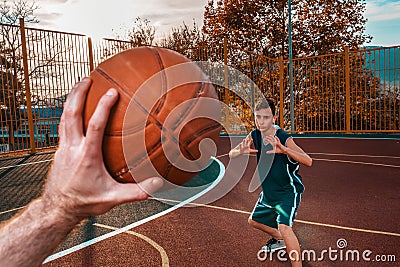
x=178 y=4
x=381 y=10
x=46 y=19
x=53 y=1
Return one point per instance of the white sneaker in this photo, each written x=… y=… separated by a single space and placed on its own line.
x=274 y=245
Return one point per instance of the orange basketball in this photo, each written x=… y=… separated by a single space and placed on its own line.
x=166 y=109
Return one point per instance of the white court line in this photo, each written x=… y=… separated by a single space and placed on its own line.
x=160 y=249
x=325 y=137
x=135 y=224
x=358 y=162
x=7 y=211
x=24 y=164
x=354 y=155
x=299 y=221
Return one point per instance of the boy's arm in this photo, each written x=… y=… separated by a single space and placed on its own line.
x=243 y=148
x=296 y=153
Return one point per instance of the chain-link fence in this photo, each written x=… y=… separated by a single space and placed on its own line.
x=348 y=92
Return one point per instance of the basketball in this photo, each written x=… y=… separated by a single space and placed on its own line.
x=165 y=122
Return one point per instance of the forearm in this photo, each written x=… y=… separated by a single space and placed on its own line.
x=234 y=153
x=40 y=228
x=300 y=157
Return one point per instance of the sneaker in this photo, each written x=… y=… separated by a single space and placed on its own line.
x=274 y=245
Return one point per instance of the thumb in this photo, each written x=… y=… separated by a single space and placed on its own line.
x=138 y=191
x=151 y=185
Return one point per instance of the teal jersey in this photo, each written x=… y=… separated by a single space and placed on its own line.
x=278 y=173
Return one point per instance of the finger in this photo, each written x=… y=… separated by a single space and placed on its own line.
x=72 y=114
x=247 y=142
x=98 y=121
x=61 y=130
x=268 y=139
x=137 y=192
x=253 y=150
x=277 y=140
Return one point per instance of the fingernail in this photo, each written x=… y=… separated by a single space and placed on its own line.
x=157 y=182
x=111 y=92
x=86 y=79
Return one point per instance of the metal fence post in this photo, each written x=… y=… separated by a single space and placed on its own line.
x=90 y=47
x=27 y=86
x=347 y=75
x=226 y=83
x=281 y=95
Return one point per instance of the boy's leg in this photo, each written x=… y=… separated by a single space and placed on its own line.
x=292 y=244
x=287 y=212
x=263 y=217
x=269 y=230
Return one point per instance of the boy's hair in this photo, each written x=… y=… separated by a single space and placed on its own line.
x=266 y=103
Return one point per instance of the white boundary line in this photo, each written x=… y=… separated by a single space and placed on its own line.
x=296 y=220
x=24 y=164
x=358 y=162
x=11 y=210
x=327 y=137
x=354 y=155
x=160 y=249
x=135 y=224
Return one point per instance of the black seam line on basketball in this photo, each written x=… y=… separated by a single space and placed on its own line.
x=122 y=172
x=108 y=78
x=186 y=112
x=120 y=86
x=195 y=135
x=167 y=170
x=200 y=133
x=164 y=96
x=200 y=89
x=164 y=82
x=145 y=157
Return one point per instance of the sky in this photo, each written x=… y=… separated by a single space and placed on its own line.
x=102 y=18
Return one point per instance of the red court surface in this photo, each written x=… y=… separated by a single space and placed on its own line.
x=349 y=216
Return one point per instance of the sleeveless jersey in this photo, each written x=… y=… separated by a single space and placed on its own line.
x=278 y=173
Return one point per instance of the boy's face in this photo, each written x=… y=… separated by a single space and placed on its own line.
x=264 y=119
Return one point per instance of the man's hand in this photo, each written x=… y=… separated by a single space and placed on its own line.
x=79 y=184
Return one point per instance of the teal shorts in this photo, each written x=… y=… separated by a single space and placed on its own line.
x=282 y=212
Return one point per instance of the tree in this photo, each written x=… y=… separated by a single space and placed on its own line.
x=141 y=33
x=185 y=40
x=319 y=26
x=257 y=32
x=10 y=14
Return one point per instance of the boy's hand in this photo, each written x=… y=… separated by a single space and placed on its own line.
x=277 y=147
x=245 y=146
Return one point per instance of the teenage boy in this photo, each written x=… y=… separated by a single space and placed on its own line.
x=278 y=159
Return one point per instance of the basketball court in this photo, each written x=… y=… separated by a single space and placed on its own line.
x=348 y=216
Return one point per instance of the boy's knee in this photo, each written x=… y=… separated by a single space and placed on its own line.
x=285 y=229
